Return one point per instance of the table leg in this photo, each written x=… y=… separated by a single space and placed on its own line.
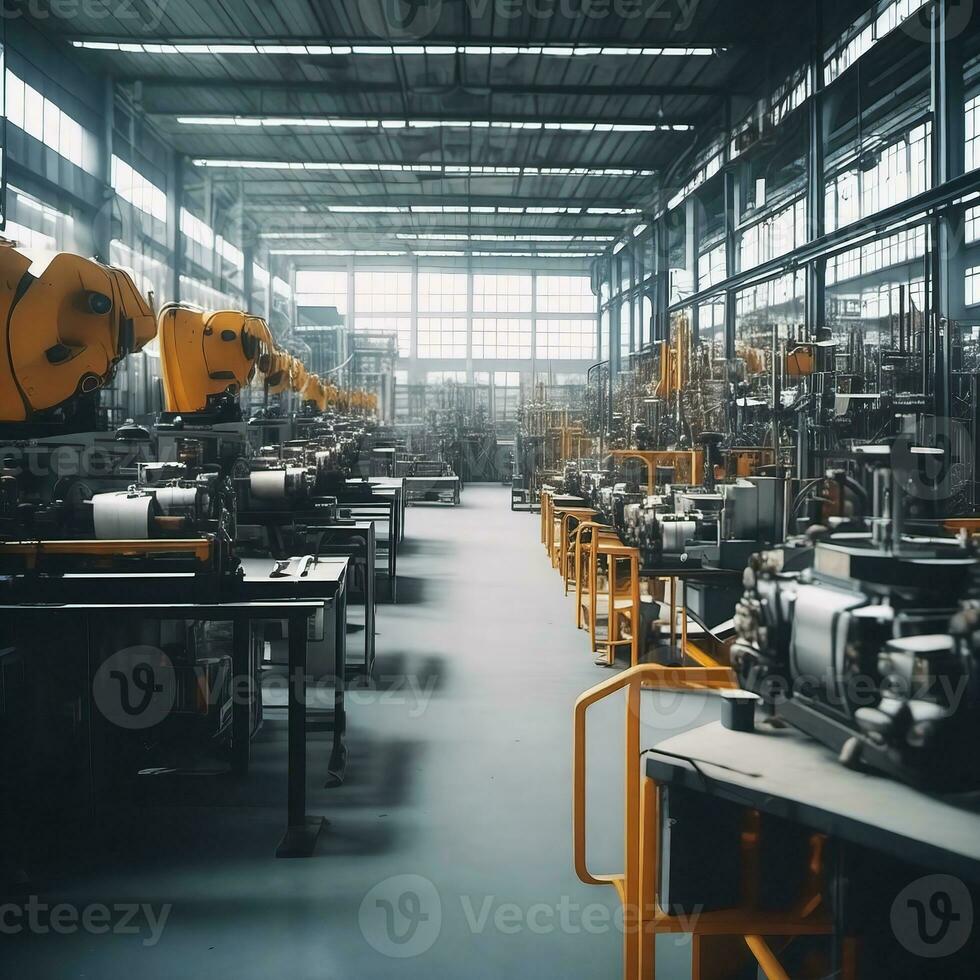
x=673 y=616
x=393 y=558
x=369 y=607
x=337 y=766
x=302 y=830
x=683 y=617
x=244 y=694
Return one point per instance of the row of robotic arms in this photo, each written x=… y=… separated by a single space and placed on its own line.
x=168 y=510
x=852 y=609
x=65 y=332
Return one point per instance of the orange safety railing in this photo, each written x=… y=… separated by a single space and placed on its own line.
x=636 y=884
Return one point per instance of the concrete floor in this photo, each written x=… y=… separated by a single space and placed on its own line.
x=449 y=850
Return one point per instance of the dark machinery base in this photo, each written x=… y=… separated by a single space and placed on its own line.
x=300 y=841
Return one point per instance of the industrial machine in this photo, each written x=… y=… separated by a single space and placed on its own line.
x=66 y=326
x=145 y=522
x=865 y=635
x=209 y=357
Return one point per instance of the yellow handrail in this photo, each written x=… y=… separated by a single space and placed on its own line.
x=654 y=677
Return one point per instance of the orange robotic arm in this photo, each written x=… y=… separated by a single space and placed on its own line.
x=64 y=329
x=315 y=391
x=277 y=367
x=206 y=356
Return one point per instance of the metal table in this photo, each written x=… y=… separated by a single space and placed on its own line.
x=255 y=598
x=894 y=856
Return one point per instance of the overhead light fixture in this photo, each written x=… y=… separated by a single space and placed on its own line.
x=365 y=209
x=336 y=252
x=390 y=50
x=425 y=253
x=448 y=169
x=335 y=122
x=289 y=235
x=639 y=229
x=618 y=247
x=531 y=211
x=516 y=236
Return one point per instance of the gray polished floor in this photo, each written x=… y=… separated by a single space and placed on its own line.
x=449 y=848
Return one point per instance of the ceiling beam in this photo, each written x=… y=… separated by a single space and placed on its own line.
x=403 y=223
x=163 y=93
x=315 y=206
x=220 y=175
x=671 y=41
x=297 y=120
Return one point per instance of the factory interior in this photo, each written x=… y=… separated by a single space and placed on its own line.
x=488 y=489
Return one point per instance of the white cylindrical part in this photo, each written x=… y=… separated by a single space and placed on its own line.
x=120 y=517
x=177 y=501
x=268 y=484
x=677 y=534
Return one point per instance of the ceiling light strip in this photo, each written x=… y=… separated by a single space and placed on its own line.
x=326 y=122
x=390 y=50
x=446 y=169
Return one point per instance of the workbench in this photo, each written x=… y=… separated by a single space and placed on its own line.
x=381 y=500
x=432 y=489
x=889 y=848
x=313 y=532
x=81 y=606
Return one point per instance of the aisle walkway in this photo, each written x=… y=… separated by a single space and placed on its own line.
x=460 y=778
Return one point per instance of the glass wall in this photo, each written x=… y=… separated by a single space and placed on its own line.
x=481 y=316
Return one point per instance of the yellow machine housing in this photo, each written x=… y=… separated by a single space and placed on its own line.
x=209 y=357
x=314 y=391
x=65 y=328
x=278 y=368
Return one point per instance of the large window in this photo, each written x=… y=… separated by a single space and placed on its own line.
x=133 y=187
x=973 y=286
x=711 y=267
x=502 y=338
x=604 y=335
x=443 y=292
x=565 y=294
x=501 y=294
x=29 y=110
x=382 y=291
x=972 y=225
x=882 y=253
x=38 y=226
x=322 y=287
x=774 y=236
x=401 y=326
x=452 y=314
x=196 y=230
x=882 y=178
x=572 y=339
x=442 y=337
x=973 y=133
